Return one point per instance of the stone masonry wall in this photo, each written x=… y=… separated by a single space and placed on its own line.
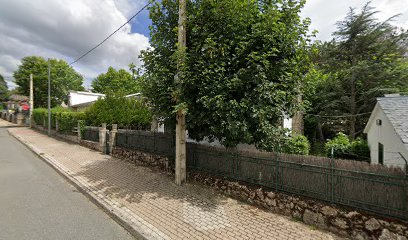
x=146 y=159
x=66 y=137
x=89 y=144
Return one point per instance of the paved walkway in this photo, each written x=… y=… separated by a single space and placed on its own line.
x=154 y=206
x=5 y=124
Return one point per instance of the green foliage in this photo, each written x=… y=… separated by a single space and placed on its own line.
x=39 y=115
x=366 y=59
x=297 y=144
x=4 y=93
x=63 y=79
x=113 y=82
x=243 y=63
x=344 y=148
x=339 y=144
x=126 y=112
x=55 y=114
x=67 y=121
x=359 y=147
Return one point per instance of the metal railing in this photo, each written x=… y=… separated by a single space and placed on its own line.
x=90 y=134
x=326 y=179
x=145 y=141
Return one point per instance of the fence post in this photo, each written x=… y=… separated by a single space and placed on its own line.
x=79 y=131
x=332 y=180
x=102 y=138
x=112 y=137
x=56 y=125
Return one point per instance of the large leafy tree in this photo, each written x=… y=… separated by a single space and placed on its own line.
x=366 y=59
x=120 y=81
x=244 y=61
x=63 y=79
x=3 y=89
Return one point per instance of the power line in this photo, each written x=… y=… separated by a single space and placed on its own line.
x=339 y=116
x=110 y=35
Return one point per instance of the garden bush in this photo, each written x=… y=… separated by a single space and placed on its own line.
x=344 y=148
x=126 y=112
x=297 y=144
x=39 y=114
x=69 y=120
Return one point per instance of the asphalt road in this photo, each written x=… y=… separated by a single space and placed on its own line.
x=37 y=203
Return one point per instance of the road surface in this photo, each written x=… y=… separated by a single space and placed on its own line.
x=37 y=203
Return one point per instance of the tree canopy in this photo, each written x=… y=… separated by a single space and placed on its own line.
x=366 y=59
x=3 y=89
x=120 y=81
x=63 y=79
x=244 y=61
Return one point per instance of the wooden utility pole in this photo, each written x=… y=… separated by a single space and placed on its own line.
x=31 y=99
x=180 y=115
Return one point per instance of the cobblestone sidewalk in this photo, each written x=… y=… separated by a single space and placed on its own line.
x=156 y=208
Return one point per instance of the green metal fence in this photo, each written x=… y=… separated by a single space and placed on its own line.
x=319 y=178
x=91 y=134
x=151 y=142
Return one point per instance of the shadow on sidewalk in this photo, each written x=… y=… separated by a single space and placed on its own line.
x=120 y=179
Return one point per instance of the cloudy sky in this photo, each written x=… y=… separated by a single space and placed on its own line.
x=66 y=29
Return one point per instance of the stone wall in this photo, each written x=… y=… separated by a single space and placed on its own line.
x=65 y=137
x=89 y=144
x=142 y=158
x=342 y=221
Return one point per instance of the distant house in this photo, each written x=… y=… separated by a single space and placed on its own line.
x=15 y=101
x=387 y=131
x=78 y=100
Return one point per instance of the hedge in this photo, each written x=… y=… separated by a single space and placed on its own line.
x=67 y=120
x=126 y=112
x=39 y=114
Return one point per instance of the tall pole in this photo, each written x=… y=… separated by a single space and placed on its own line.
x=180 y=115
x=49 y=98
x=31 y=99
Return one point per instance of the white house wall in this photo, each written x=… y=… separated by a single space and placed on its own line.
x=386 y=135
x=80 y=98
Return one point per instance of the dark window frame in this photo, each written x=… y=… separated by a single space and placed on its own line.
x=381 y=153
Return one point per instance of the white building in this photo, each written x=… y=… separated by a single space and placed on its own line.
x=77 y=99
x=387 y=131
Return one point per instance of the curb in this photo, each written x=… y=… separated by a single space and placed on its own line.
x=111 y=208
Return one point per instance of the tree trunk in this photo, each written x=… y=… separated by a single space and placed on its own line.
x=297 y=121
x=320 y=130
x=353 y=104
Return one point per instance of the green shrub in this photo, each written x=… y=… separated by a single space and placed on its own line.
x=39 y=114
x=56 y=114
x=126 y=112
x=69 y=120
x=344 y=148
x=359 y=147
x=340 y=144
x=297 y=144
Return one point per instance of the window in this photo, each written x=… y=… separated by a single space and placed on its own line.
x=380 y=153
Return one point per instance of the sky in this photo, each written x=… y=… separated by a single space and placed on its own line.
x=67 y=29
